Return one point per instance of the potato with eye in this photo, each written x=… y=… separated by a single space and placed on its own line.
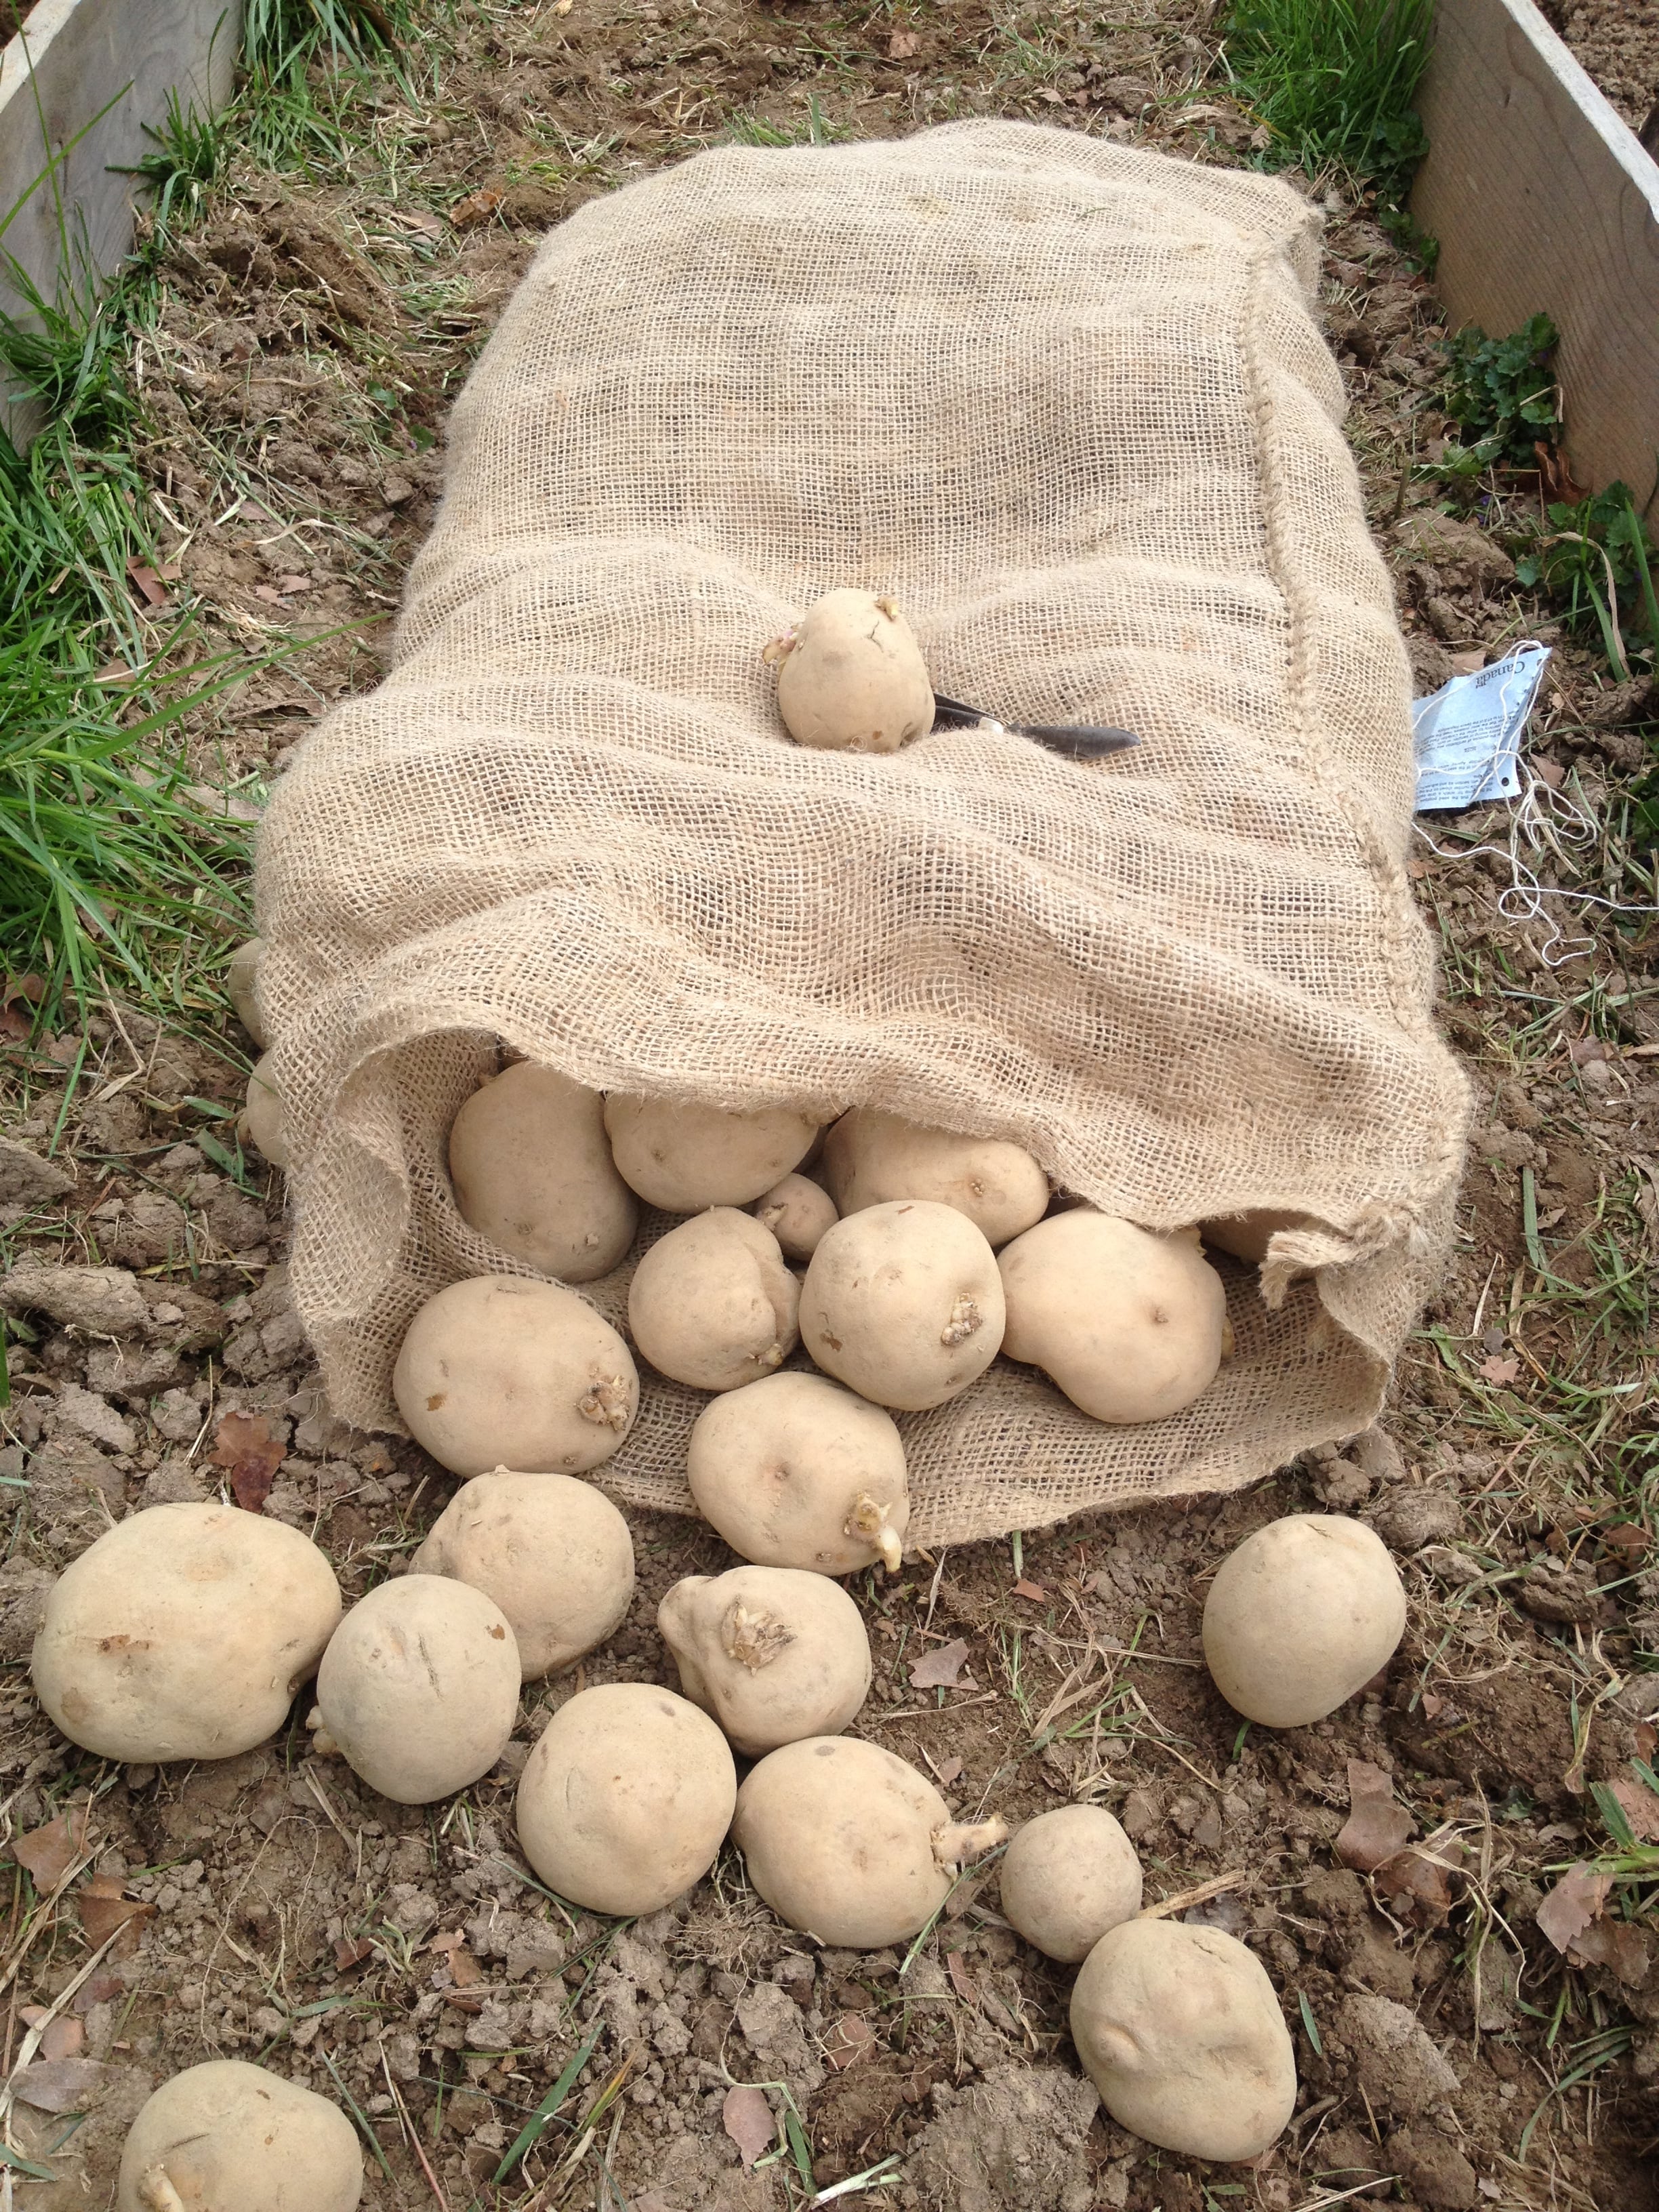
x=183 y=1633
x=796 y=1473
x=903 y=1304
x=1130 y=1326
x=499 y=1371
x=797 y=1212
x=419 y=1688
x=531 y=1168
x=242 y=988
x=869 y=1157
x=1300 y=1616
x=683 y=1157
x=851 y=677
x=848 y=1842
x=1179 y=2029
x=712 y=1304
x=773 y=1653
x=263 y=1121
x=227 y=2136
x=626 y=1798
x=551 y=1550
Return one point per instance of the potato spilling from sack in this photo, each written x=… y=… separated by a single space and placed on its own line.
x=551 y=1552
x=1300 y=1616
x=848 y=1843
x=1247 y=1236
x=532 y=1171
x=903 y=1304
x=497 y=1372
x=1129 y=1325
x=264 y=1119
x=183 y=1633
x=712 y=1304
x=797 y=1212
x=1067 y=1877
x=1179 y=2029
x=683 y=1157
x=625 y=1800
x=419 y=1688
x=773 y=1653
x=231 y=2137
x=869 y=1157
x=795 y=1473
x=242 y=988
x=851 y=677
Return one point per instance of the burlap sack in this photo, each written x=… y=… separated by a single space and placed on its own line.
x=1068 y=401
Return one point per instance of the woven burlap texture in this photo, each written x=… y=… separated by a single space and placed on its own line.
x=1066 y=401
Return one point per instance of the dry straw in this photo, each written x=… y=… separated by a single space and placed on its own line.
x=1068 y=401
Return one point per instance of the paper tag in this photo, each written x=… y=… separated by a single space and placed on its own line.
x=1466 y=735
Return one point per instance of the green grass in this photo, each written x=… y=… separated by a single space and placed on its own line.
x=1334 y=80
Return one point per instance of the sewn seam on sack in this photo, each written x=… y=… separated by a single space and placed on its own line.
x=1442 y=1163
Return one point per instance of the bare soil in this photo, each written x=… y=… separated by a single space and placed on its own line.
x=315 y=330
x=1617 y=41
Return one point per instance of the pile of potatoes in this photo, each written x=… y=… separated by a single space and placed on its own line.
x=819 y=1274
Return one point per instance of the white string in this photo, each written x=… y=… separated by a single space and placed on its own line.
x=1544 y=819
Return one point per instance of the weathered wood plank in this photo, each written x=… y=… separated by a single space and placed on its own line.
x=115 y=61
x=1542 y=197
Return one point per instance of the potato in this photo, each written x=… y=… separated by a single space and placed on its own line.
x=419 y=1688
x=230 y=2138
x=869 y=1157
x=712 y=1303
x=553 y=1553
x=1067 y=1877
x=684 y=1157
x=795 y=1473
x=1127 y=1324
x=797 y=1211
x=183 y=1633
x=496 y=1372
x=848 y=1843
x=242 y=988
x=626 y=1797
x=851 y=677
x=773 y=1653
x=1179 y=2030
x=1300 y=1616
x=264 y=1121
x=903 y=1304
x=1246 y=1235
x=532 y=1171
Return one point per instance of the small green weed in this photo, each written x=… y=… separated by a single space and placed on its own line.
x=1502 y=394
x=1334 y=80
x=1596 y=562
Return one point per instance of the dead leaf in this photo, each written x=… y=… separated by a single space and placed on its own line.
x=1033 y=1590
x=1640 y=1808
x=1376 y=1828
x=244 y=1446
x=153 y=590
x=476 y=208
x=1499 y=1371
x=747 y=2118
x=105 y=1911
x=947 y=1773
x=63 y=2038
x=902 y=46
x=1620 y=1945
x=1417 y=1882
x=1470 y=663
x=1576 y=1901
x=58 y=2085
x=98 y=1990
x=940 y=1669
x=48 y=1853
x=465 y=1968
x=347 y=1955
x=850 y=2038
x=961 y=1978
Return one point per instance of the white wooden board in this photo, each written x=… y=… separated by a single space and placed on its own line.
x=1542 y=197
x=77 y=86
